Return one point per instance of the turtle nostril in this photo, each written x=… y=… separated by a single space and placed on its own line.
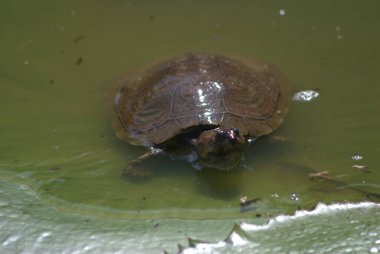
x=236 y=132
x=233 y=141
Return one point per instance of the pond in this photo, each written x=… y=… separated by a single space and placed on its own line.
x=61 y=67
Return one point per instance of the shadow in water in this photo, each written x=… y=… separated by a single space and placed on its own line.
x=156 y=167
x=217 y=184
x=224 y=185
x=213 y=183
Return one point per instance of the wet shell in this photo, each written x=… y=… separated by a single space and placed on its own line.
x=196 y=90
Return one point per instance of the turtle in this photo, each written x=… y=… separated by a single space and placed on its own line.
x=210 y=104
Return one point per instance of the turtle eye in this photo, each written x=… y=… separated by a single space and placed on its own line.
x=220 y=137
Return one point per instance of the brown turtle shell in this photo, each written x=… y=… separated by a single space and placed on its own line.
x=196 y=90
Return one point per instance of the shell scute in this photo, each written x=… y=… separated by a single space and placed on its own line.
x=201 y=89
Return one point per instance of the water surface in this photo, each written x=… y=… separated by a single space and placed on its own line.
x=61 y=63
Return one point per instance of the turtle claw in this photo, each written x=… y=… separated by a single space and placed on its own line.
x=136 y=168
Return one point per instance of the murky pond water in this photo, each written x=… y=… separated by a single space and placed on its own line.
x=62 y=61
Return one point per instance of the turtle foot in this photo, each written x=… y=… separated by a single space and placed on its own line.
x=140 y=167
x=133 y=171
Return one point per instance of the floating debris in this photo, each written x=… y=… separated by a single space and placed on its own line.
x=305 y=95
x=79 y=38
x=295 y=197
x=79 y=61
x=245 y=202
x=338 y=29
x=275 y=195
x=362 y=168
x=320 y=174
x=282 y=12
x=357 y=157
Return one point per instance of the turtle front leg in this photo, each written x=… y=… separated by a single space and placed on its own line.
x=135 y=167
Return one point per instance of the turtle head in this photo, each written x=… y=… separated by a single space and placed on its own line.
x=220 y=148
x=224 y=137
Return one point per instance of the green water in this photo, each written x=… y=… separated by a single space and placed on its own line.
x=61 y=63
